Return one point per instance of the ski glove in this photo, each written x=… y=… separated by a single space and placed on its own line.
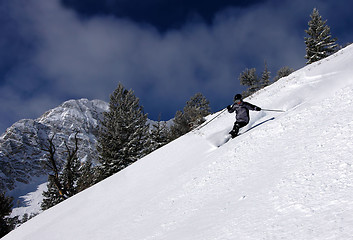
x=257 y=109
x=229 y=107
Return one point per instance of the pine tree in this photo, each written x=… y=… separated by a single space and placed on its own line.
x=123 y=136
x=51 y=196
x=180 y=125
x=265 y=77
x=87 y=176
x=194 y=112
x=319 y=43
x=196 y=109
x=5 y=210
x=159 y=134
x=283 y=72
x=249 y=78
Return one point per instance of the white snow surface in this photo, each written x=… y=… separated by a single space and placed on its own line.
x=291 y=177
x=32 y=203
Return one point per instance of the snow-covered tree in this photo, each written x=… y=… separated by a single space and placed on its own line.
x=123 y=135
x=193 y=115
x=196 y=109
x=52 y=196
x=283 y=72
x=159 y=135
x=249 y=78
x=265 y=77
x=87 y=176
x=180 y=125
x=319 y=43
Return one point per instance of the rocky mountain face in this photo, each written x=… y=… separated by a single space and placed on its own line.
x=21 y=146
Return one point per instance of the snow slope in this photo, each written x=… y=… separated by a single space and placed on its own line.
x=287 y=178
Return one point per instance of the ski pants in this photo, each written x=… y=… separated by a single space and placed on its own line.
x=237 y=126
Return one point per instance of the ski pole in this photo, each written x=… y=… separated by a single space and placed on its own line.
x=272 y=110
x=201 y=126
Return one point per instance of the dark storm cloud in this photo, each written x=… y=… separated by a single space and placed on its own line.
x=58 y=54
x=162 y=14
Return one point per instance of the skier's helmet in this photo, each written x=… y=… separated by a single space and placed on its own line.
x=238 y=97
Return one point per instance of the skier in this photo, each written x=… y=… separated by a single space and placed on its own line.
x=241 y=109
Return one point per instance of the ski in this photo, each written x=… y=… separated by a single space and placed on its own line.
x=229 y=137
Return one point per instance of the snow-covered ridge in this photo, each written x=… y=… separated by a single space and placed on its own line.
x=289 y=177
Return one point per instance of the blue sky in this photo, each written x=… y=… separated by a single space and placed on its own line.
x=166 y=51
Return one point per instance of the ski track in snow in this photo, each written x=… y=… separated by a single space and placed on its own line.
x=288 y=178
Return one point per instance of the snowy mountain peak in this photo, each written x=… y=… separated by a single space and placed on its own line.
x=81 y=110
x=288 y=176
x=21 y=145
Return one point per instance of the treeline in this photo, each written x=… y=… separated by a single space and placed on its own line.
x=255 y=82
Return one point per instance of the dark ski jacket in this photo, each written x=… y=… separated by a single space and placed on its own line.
x=241 y=110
